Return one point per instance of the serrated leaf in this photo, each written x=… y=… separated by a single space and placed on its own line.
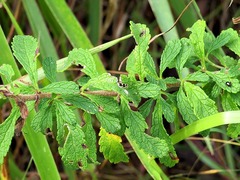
x=185 y=108
x=109 y=121
x=81 y=102
x=85 y=59
x=133 y=118
x=153 y=146
x=183 y=55
x=43 y=118
x=64 y=111
x=148 y=90
x=228 y=104
x=168 y=111
x=111 y=147
x=104 y=81
x=60 y=129
x=221 y=40
x=139 y=62
x=141 y=34
x=234 y=42
x=74 y=153
x=50 y=68
x=158 y=130
x=225 y=81
x=7 y=132
x=202 y=105
x=197 y=38
x=169 y=54
x=145 y=108
x=90 y=138
x=197 y=76
x=24 y=49
x=107 y=104
x=6 y=70
x=62 y=87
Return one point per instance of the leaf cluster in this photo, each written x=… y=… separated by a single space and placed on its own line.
x=142 y=93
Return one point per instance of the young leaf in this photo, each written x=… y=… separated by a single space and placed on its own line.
x=136 y=63
x=225 y=81
x=81 y=102
x=24 y=49
x=90 y=137
x=111 y=147
x=185 y=108
x=234 y=42
x=169 y=54
x=168 y=111
x=183 y=55
x=106 y=104
x=148 y=90
x=197 y=76
x=108 y=122
x=74 y=153
x=197 y=38
x=67 y=114
x=50 y=68
x=85 y=59
x=7 y=132
x=220 y=41
x=202 y=105
x=43 y=119
x=141 y=34
x=62 y=87
x=7 y=71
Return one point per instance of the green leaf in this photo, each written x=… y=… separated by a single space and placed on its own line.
x=7 y=132
x=153 y=146
x=50 y=68
x=158 y=130
x=148 y=90
x=168 y=111
x=81 y=102
x=169 y=54
x=62 y=87
x=197 y=76
x=90 y=137
x=133 y=118
x=6 y=70
x=106 y=104
x=220 y=41
x=228 y=104
x=104 y=81
x=145 y=108
x=197 y=38
x=24 y=49
x=202 y=105
x=137 y=63
x=64 y=111
x=43 y=118
x=85 y=59
x=111 y=147
x=234 y=42
x=185 y=108
x=225 y=81
x=74 y=153
x=141 y=34
x=183 y=55
x=108 y=121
